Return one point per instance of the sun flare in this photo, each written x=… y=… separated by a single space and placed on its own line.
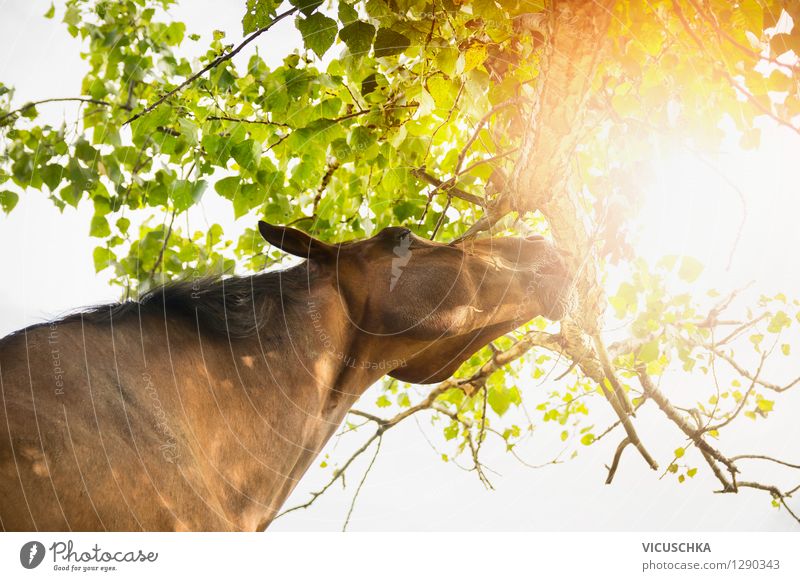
x=734 y=211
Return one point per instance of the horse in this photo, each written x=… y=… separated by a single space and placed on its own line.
x=199 y=406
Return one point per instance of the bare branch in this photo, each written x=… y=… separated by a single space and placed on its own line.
x=774 y=491
x=617 y=455
x=361 y=484
x=742 y=328
x=669 y=410
x=339 y=473
x=744 y=373
x=611 y=376
x=762 y=457
x=742 y=403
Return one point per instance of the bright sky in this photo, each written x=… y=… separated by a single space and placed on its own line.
x=47 y=269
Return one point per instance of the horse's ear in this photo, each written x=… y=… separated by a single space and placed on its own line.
x=295 y=241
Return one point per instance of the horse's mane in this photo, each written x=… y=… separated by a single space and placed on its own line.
x=238 y=306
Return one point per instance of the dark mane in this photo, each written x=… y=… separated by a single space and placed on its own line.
x=238 y=306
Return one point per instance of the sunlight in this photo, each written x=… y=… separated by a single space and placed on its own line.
x=735 y=212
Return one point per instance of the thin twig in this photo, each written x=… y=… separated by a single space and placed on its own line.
x=54 y=100
x=476 y=132
x=744 y=373
x=762 y=457
x=163 y=246
x=361 y=484
x=742 y=403
x=213 y=64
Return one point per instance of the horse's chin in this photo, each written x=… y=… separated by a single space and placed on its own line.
x=411 y=375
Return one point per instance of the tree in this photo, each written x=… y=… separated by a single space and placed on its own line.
x=455 y=118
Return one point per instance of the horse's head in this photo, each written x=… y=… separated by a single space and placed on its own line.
x=436 y=303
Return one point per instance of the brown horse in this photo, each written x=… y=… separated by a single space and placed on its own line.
x=200 y=406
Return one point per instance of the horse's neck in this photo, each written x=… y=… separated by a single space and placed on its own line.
x=325 y=346
x=313 y=374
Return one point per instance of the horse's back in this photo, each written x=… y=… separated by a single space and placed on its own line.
x=82 y=447
x=147 y=424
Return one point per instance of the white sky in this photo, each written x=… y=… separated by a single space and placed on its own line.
x=46 y=268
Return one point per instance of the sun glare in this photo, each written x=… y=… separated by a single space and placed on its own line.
x=736 y=212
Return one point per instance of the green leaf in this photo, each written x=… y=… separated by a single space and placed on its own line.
x=248 y=197
x=51 y=175
x=443 y=91
x=383 y=402
x=259 y=13
x=765 y=405
x=185 y=193
x=587 y=439
x=99 y=227
x=247 y=154
x=84 y=151
x=123 y=224
x=306 y=6
x=361 y=139
x=347 y=13
x=8 y=200
x=649 y=351
x=625 y=300
x=690 y=269
x=779 y=321
x=500 y=398
x=369 y=84
x=388 y=43
x=103 y=258
x=227 y=187
x=318 y=32
x=358 y=38
x=51 y=11
x=474 y=56
x=173 y=35
x=679 y=452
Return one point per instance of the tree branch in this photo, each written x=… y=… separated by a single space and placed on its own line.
x=54 y=100
x=213 y=64
x=617 y=455
x=744 y=373
x=483 y=120
x=448 y=188
x=762 y=457
x=669 y=410
x=361 y=484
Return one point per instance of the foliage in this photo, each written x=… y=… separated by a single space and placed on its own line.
x=415 y=112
